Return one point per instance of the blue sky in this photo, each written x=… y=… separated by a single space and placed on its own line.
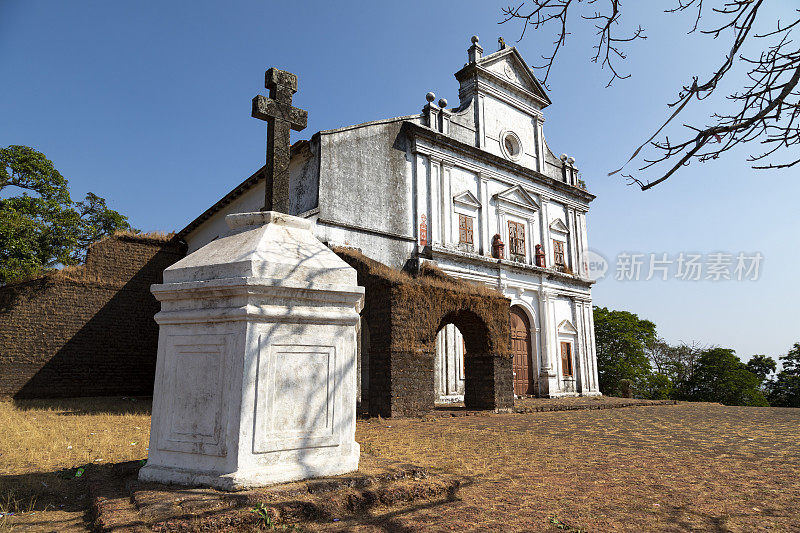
x=148 y=105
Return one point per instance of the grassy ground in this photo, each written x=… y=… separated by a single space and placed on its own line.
x=659 y=468
x=665 y=468
x=42 y=438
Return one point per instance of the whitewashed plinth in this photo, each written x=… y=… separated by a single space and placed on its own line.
x=256 y=372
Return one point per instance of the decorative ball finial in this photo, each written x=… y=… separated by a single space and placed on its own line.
x=430 y=97
x=442 y=103
x=563 y=157
x=571 y=160
x=474 y=39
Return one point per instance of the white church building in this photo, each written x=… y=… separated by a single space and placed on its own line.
x=474 y=189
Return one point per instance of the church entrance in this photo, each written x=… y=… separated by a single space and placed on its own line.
x=521 y=350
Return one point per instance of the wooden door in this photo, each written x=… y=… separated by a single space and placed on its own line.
x=521 y=349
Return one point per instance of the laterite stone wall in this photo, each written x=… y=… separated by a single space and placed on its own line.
x=404 y=313
x=88 y=330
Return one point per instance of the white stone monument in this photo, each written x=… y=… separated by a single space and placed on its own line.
x=256 y=372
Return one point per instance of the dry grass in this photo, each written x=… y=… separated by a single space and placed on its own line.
x=159 y=236
x=43 y=439
x=45 y=435
x=664 y=468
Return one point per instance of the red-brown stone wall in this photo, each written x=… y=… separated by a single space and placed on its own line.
x=86 y=331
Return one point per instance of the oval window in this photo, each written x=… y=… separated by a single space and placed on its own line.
x=512 y=147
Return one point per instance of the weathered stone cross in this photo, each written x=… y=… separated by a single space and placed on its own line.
x=277 y=110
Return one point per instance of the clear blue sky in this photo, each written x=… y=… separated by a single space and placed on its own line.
x=148 y=105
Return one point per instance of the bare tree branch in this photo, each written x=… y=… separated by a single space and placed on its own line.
x=765 y=108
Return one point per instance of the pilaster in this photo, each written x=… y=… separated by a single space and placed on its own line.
x=486 y=245
x=435 y=200
x=548 y=376
x=447 y=204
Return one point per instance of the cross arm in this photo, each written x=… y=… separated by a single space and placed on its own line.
x=266 y=108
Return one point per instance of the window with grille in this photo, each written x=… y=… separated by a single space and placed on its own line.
x=566 y=358
x=516 y=241
x=465 y=235
x=558 y=253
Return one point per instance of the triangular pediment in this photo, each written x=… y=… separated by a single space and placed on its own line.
x=567 y=327
x=509 y=66
x=558 y=226
x=518 y=197
x=466 y=198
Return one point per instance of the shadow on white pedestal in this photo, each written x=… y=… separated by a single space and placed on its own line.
x=256 y=372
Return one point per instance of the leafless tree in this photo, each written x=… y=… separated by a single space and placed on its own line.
x=763 y=110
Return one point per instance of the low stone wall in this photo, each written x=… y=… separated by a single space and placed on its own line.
x=87 y=330
x=404 y=313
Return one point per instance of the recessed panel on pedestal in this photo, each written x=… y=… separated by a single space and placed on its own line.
x=296 y=397
x=195 y=366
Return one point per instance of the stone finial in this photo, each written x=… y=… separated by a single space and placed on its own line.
x=571 y=160
x=442 y=103
x=563 y=157
x=475 y=51
x=430 y=97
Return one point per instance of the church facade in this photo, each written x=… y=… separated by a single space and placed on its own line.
x=474 y=190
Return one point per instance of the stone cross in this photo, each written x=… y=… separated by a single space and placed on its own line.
x=277 y=110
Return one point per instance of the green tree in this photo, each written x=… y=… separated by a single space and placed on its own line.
x=784 y=391
x=621 y=340
x=40 y=227
x=761 y=366
x=720 y=376
x=97 y=221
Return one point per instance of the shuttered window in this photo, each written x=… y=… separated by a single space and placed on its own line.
x=558 y=253
x=566 y=358
x=516 y=241
x=465 y=235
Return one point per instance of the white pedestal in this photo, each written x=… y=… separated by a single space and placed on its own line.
x=256 y=372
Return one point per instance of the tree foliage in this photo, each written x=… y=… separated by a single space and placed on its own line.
x=763 y=108
x=621 y=341
x=761 y=366
x=40 y=227
x=784 y=391
x=629 y=349
x=720 y=376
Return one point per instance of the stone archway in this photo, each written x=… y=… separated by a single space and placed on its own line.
x=449 y=365
x=521 y=351
x=404 y=313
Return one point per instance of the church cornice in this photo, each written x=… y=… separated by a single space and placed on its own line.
x=437 y=251
x=443 y=140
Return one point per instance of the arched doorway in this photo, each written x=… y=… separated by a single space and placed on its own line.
x=522 y=365
x=448 y=366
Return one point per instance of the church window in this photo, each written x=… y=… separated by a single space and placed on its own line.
x=465 y=235
x=566 y=358
x=512 y=146
x=516 y=241
x=558 y=253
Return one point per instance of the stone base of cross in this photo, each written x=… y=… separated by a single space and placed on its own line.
x=281 y=117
